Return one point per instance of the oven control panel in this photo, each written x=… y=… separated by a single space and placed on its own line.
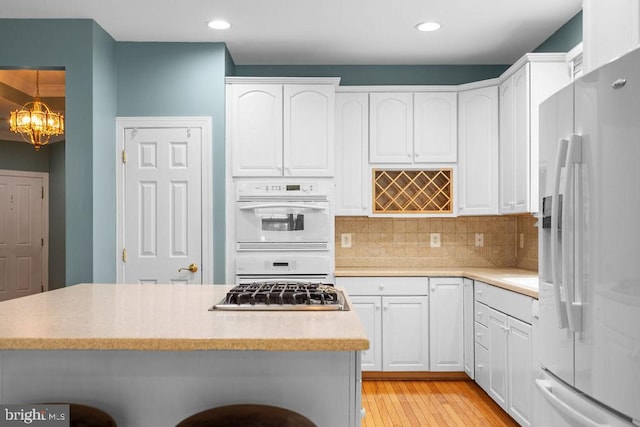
x=276 y=188
x=287 y=190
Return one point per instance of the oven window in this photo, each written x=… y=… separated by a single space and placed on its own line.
x=286 y=222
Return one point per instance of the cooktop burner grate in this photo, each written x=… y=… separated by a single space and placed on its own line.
x=283 y=296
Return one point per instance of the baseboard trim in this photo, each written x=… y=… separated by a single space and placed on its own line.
x=417 y=375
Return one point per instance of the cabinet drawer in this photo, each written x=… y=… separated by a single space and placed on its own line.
x=511 y=303
x=481 y=313
x=482 y=335
x=383 y=285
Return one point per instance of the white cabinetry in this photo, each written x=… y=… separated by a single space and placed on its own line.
x=446 y=349
x=467 y=328
x=504 y=349
x=435 y=127
x=408 y=127
x=478 y=139
x=611 y=29
x=353 y=194
x=524 y=86
x=395 y=314
x=281 y=129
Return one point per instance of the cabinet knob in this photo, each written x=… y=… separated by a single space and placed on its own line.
x=386 y=307
x=478 y=313
x=479 y=292
x=479 y=366
x=478 y=334
x=408 y=154
x=381 y=286
x=378 y=307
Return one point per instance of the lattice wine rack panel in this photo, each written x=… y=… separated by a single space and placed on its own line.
x=413 y=191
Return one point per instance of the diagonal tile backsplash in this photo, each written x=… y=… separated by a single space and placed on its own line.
x=405 y=242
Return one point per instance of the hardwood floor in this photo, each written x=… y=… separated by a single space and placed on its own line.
x=429 y=403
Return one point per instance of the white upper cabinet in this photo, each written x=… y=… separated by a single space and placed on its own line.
x=524 y=86
x=281 y=129
x=391 y=127
x=256 y=129
x=478 y=140
x=407 y=127
x=435 y=127
x=309 y=117
x=353 y=194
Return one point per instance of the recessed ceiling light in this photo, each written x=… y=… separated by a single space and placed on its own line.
x=218 y=24
x=428 y=26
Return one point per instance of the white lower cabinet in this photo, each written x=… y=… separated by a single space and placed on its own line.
x=503 y=349
x=467 y=328
x=395 y=314
x=446 y=345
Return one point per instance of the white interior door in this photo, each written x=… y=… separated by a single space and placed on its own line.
x=162 y=232
x=23 y=218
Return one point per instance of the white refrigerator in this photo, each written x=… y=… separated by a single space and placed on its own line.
x=587 y=336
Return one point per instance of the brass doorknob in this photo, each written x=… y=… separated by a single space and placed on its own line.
x=192 y=268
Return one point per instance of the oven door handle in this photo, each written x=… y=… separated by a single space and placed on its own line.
x=282 y=205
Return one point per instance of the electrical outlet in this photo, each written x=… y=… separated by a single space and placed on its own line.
x=435 y=240
x=345 y=240
x=479 y=239
x=521 y=240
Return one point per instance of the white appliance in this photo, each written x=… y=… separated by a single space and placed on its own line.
x=283 y=230
x=587 y=337
x=283 y=216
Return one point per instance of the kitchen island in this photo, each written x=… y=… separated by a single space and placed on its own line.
x=152 y=355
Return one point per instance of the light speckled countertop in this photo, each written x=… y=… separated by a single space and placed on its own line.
x=168 y=318
x=514 y=279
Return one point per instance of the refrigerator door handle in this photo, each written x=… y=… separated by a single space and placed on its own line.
x=574 y=414
x=573 y=310
x=561 y=158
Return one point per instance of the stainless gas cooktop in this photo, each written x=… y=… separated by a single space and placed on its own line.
x=283 y=295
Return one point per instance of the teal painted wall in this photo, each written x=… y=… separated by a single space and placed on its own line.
x=57 y=226
x=180 y=79
x=566 y=38
x=20 y=156
x=68 y=45
x=354 y=75
x=104 y=156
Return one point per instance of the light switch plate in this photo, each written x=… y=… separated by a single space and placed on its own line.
x=435 y=240
x=345 y=240
x=479 y=239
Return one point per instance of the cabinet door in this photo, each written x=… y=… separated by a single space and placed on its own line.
x=498 y=357
x=478 y=151
x=405 y=333
x=519 y=361
x=352 y=147
x=507 y=147
x=256 y=129
x=446 y=349
x=370 y=313
x=391 y=127
x=309 y=117
x=521 y=139
x=467 y=327
x=482 y=367
x=435 y=127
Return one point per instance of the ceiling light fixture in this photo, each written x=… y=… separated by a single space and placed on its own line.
x=428 y=26
x=218 y=24
x=35 y=121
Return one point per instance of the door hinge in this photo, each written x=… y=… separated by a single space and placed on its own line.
x=41 y=288
x=124 y=255
x=42 y=194
x=42 y=242
x=124 y=156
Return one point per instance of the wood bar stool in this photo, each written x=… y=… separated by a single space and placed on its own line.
x=247 y=416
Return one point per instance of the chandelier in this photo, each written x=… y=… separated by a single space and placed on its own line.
x=35 y=121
